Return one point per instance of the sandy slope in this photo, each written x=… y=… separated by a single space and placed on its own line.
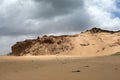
x=98 y=44
x=94 y=42
x=59 y=68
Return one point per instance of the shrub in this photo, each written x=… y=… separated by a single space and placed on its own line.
x=116 y=54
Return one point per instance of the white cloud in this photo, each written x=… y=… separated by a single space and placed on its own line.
x=101 y=13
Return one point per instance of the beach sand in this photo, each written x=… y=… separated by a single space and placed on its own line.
x=59 y=68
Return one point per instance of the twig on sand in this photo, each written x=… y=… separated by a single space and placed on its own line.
x=76 y=71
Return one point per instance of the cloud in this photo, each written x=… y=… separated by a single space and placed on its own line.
x=6 y=42
x=20 y=18
x=102 y=13
x=52 y=8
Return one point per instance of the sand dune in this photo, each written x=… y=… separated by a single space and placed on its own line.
x=59 y=68
x=94 y=42
x=75 y=57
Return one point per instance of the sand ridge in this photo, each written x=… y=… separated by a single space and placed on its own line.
x=93 y=42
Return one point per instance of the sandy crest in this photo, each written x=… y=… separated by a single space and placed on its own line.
x=59 y=68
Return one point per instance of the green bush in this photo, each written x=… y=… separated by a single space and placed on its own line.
x=116 y=54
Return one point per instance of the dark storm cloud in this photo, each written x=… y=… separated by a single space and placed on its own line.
x=79 y=19
x=52 y=8
x=72 y=23
x=43 y=17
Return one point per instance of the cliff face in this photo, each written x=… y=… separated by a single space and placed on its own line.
x=43 y=46
x=94 y=42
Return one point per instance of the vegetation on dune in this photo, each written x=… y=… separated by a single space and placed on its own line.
x=116 y=54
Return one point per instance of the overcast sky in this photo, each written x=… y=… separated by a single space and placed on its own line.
x=26 y=19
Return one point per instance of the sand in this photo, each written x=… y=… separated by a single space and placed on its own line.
x=90 y=43
x=59 y=68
